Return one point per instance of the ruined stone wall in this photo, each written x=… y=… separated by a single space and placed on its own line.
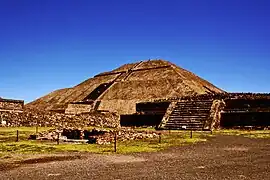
x=213 y=122
x=78 y=108
x=119 y=106
x=166 y=117
x=51 y=119
x=11 y=105
x=247 y=111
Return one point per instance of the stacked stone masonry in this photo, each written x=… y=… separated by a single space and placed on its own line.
x=52 y=119
x=11 y=105
x=78 y=108
x=98 y=136
x=189 y=115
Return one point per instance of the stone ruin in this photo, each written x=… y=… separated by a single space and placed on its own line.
x=202 y=112
x=9 y=107
x=153 y=93
x=54 y=119
x=121 y=89
x=13 y=113
x=94 y=136
x=205 y=112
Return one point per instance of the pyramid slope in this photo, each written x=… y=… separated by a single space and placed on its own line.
x=129 y=84
x=157 y=79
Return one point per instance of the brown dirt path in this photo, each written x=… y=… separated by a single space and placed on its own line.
x=222 y=157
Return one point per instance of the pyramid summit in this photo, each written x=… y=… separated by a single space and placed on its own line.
x=120 y=89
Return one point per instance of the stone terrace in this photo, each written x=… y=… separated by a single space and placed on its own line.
x=11 y=105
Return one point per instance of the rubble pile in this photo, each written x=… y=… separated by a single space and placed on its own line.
x=98 y=136
x=52 y=134
x=124 y=135
x=31 y=117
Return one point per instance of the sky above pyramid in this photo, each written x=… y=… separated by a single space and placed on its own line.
x=47 y=45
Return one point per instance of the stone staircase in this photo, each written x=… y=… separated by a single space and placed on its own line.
x=128 y=73
x=189 y=115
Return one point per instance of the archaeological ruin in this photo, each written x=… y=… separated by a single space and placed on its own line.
x=11 y=105
x=153 y=93
x=14 y=113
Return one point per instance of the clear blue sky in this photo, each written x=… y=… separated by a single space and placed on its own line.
x=51 y=44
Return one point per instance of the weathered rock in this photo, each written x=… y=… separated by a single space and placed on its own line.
x=95 y=135
x=33 y=117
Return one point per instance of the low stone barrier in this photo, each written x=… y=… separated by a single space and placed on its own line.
x=53 y=119
x=98 y=136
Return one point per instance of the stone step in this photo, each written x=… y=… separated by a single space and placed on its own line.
x=188 y=128
x=195 y=104
x=189 y=108
x=198 y=105
x=200 y=101
x=184 y=124
x=193 y=109
x=184 y=127
x=190 y=113
x=188 y=117
x=206 y=111
x=187 y=121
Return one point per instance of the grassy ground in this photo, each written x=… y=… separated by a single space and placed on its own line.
x=9 y=134
x=10 y=148
x=245 y=133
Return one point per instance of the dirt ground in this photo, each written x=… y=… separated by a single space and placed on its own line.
x=222 y=157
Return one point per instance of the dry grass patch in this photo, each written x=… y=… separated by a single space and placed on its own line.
x=245 y=133
x=9 y=134
x=8 y=149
